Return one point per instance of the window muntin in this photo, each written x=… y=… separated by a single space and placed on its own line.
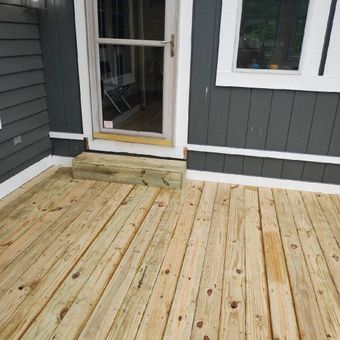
x=271 y=34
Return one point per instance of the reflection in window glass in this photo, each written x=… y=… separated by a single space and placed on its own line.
x=131 y=80
x=271 y=34
x=131 y=19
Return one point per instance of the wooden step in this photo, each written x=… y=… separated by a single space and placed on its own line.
x=130 y=170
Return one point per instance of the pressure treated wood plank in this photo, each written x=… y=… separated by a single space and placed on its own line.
x=284 y=324
x=158 y=308
x=100 y=322
x=232 y=324
x=326 y=294
x=43 y=225
x=128 y=169
x=87 y=227
x=305 y=303
x=258 y=325
x=182 y=312
x=71 y=324
x=328 y=244
x=36 y=250
x=131 y=311
x=336 y=199
x=107 y=244
x=133 y=162
x=30 y=205
x=332 y=214
x=24 y=192
x=208 y=305
x=19 y=222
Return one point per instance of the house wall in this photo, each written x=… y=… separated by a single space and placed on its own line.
x=24 y=137
x=276 y=120
x=59 y=49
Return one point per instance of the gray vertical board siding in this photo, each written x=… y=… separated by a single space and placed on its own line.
x=214 y=162
x=196 y=160
x=219 y=98
x=279 y=118
x=57 y=29
x=275 y=120
x=260 y=106
x=202 y=69
x=332 y=174
x=321 y=132
x=334 y=147
x=233 y=164
x=24 y=137
x=237 y=127
x=68 y=148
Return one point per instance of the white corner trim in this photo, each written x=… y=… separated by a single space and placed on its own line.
x=291 y=156
x=62 y=161
x=262 y=182
x=66 y=135
x=24 y=176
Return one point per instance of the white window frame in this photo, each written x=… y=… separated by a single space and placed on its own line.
x=306 y=78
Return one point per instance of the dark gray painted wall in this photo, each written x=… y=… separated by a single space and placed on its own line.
x=23 y=107
x=58 y=38
x=292 y=121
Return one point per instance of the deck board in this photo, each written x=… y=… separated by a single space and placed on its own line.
x=97 y=260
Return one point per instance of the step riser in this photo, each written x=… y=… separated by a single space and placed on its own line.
x=105 y=168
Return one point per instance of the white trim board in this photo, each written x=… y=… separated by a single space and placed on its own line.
x=292 y=156
x=66 y=135
x=262 y=182
x=182 y=87
x=62 y=161
x=24 y=176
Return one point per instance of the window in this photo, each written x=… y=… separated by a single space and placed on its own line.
x=271 y=34
x=278 y=44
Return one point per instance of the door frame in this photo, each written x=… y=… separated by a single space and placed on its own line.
x=169 y=67
x=182 y=60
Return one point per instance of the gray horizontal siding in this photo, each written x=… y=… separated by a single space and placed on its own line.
x=294 y=170
x=57 y=29
x=23 y=107
x=275 y=120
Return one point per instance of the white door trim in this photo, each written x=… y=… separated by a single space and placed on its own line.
x=182 y=85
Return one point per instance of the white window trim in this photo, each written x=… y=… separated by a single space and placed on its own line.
x=306 y=78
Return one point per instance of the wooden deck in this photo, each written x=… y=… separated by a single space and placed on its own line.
x=96 y=260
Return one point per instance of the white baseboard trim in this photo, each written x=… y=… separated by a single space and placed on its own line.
x=291 y=156
x=262 y=182
x=66 y=135
x=24 y=176
x=62 y=161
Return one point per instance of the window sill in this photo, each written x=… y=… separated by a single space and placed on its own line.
x=278 y=81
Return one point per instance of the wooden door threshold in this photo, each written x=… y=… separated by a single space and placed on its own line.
x=133 y=139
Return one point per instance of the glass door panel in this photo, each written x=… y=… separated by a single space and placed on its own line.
x=134 y=67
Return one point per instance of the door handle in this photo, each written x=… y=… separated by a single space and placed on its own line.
x=172 y=45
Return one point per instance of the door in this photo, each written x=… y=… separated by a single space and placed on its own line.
x=132 y=67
